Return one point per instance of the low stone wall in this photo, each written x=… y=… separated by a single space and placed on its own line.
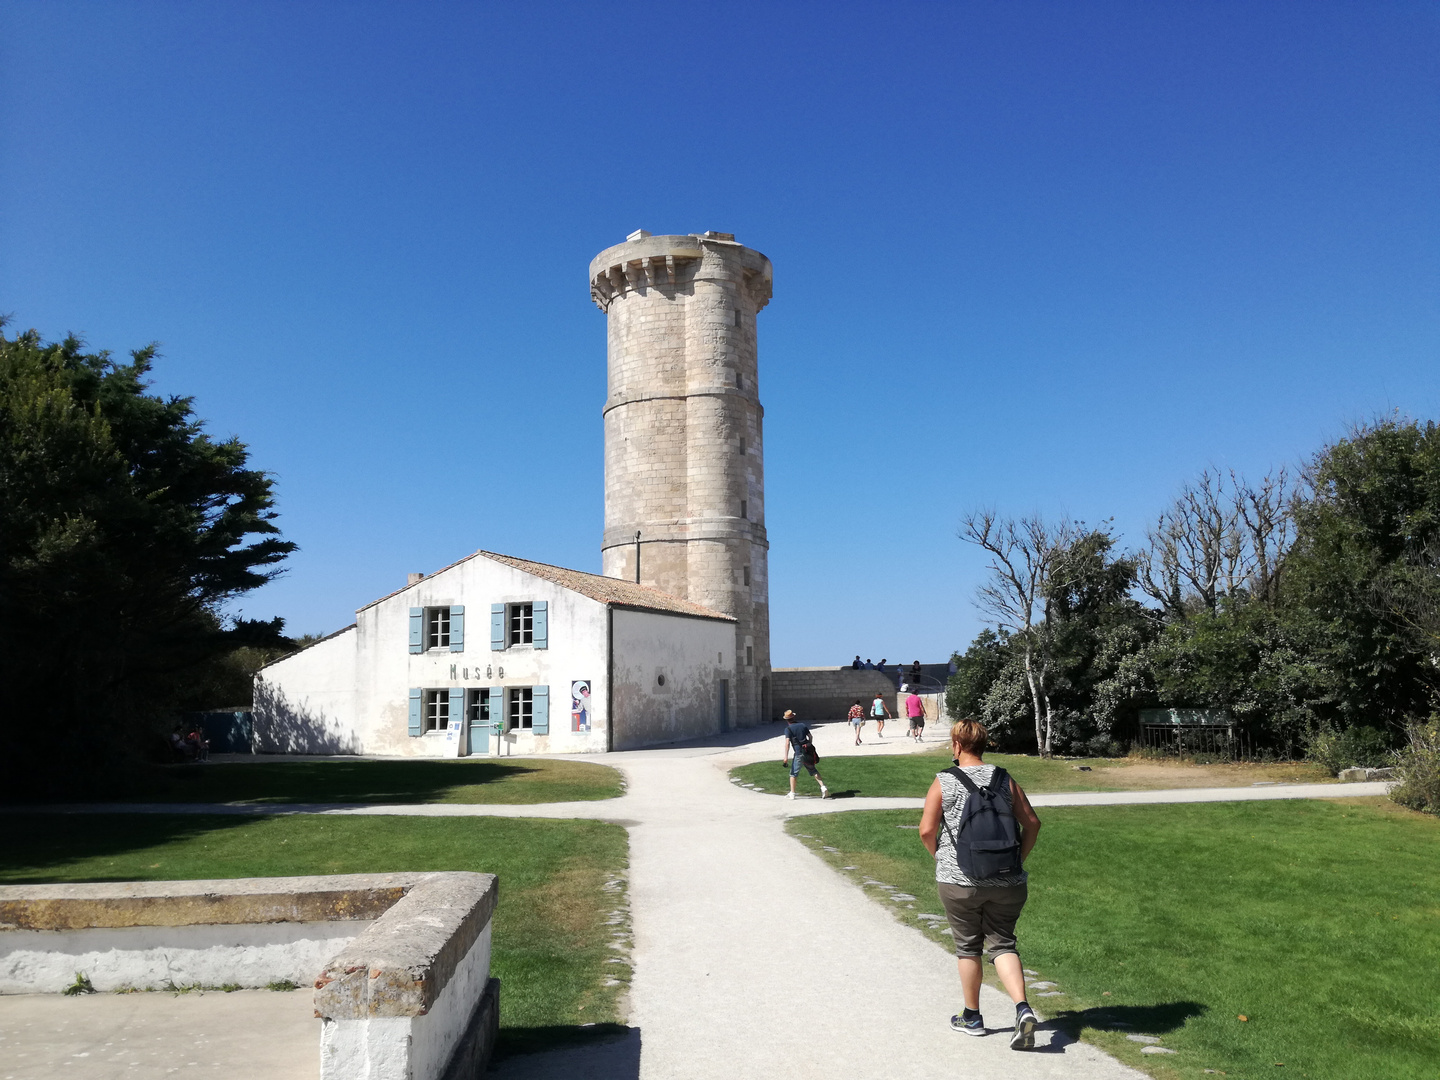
x=818 y=694
x=404 y=988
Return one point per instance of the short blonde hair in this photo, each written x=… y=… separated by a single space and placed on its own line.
x=971 y=736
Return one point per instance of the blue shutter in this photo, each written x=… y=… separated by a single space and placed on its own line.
x=541 y=612
x=457 y=703
x=417 y=718
x=457 y=627
x=541 y=711
x=497 y=627
x=417 y=629
x=498 y=720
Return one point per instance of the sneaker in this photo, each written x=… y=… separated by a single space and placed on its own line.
x=1024 y=1037
x=789 y=795
x=974 y=1026
x=824 y=792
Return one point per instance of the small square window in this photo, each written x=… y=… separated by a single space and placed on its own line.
x=522 y=708
x=522 y=624
x=437 y=628
x=437 y=710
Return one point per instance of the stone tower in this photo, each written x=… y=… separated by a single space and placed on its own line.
x=684 y=443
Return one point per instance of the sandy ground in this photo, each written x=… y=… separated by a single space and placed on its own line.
x=245 y=1035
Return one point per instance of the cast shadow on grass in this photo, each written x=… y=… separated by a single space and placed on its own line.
x=848 y=793
x=39 y=847
x=600 y=1052
x=1066 y=1027
x=414 y=781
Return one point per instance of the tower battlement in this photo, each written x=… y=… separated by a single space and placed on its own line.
x=671 y=263
x=684 y=438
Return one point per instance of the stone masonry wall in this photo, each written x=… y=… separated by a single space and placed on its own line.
x=684 y=462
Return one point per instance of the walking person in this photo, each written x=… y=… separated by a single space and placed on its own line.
x=980 y=827
x=879 y=712
x=800 y=750
x=857 y=719
x=915 y=710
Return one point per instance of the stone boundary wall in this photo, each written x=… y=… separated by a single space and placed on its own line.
x=819 y=694
x=405 y=993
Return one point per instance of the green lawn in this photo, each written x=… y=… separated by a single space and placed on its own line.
x=551 y=941
x=1319 y=921
x=910 y=775
x=523 y=780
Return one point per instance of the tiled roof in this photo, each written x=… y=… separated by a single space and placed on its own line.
x=609 y=590
x=606 y=590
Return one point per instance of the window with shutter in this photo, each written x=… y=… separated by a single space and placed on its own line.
x=522 y=708
x=437 y=633
x=541 y=624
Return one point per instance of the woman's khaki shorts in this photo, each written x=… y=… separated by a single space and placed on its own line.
x=983 y=913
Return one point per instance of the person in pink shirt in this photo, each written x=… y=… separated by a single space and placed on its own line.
x=915 y=710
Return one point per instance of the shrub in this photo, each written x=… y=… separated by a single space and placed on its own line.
x=1366 y=747
x=1418 y=768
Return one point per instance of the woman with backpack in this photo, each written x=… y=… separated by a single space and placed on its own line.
x=980 y=827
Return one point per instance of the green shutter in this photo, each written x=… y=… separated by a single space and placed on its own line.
x=417 y=629
x=497 y=627
x=417 y=717
x=541 y=713
x=498 y=720
x=457 y=627
x=541 y=612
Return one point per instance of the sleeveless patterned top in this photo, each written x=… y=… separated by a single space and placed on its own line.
x=952 y=804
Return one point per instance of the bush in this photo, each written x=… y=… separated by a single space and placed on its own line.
x=1366 y=747
x=1418 y=767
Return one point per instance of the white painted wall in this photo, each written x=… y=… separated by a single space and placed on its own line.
x=305 y=704
x=387 y=669
x=146 y=957
x=692 y=654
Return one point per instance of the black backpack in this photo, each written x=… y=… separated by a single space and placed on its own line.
x=987 y=843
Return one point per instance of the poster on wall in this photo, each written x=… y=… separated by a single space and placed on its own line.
x=580 y=705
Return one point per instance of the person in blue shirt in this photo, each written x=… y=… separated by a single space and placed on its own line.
x=800 y=750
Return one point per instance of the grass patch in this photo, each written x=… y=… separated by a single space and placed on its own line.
x=526 y=780
x=1316 y=920
x=910 y=775
x=562 y=914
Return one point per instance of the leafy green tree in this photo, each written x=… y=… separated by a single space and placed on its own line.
x=124 y=528
x=976 y=669
x=1363 y=569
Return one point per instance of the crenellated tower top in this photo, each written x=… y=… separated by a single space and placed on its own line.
x=671 y=263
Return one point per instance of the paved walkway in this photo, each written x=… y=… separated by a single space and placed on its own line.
x=753 y=958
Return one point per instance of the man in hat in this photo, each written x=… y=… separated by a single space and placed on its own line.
x=800 y=750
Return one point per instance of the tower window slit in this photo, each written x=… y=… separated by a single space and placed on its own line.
x=745 y=509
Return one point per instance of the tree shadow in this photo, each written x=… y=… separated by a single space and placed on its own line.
x=405 y=781
x=39 y=847
x=597 y=1052
x=1067 y=1027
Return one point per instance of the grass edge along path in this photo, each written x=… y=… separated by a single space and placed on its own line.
x=561 y=937
x=1315 y=920
x=515 y=781
x=910 y=775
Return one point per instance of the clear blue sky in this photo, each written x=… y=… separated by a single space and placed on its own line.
x=1052 y=257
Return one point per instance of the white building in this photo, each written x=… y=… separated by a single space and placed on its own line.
x=522 y=657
